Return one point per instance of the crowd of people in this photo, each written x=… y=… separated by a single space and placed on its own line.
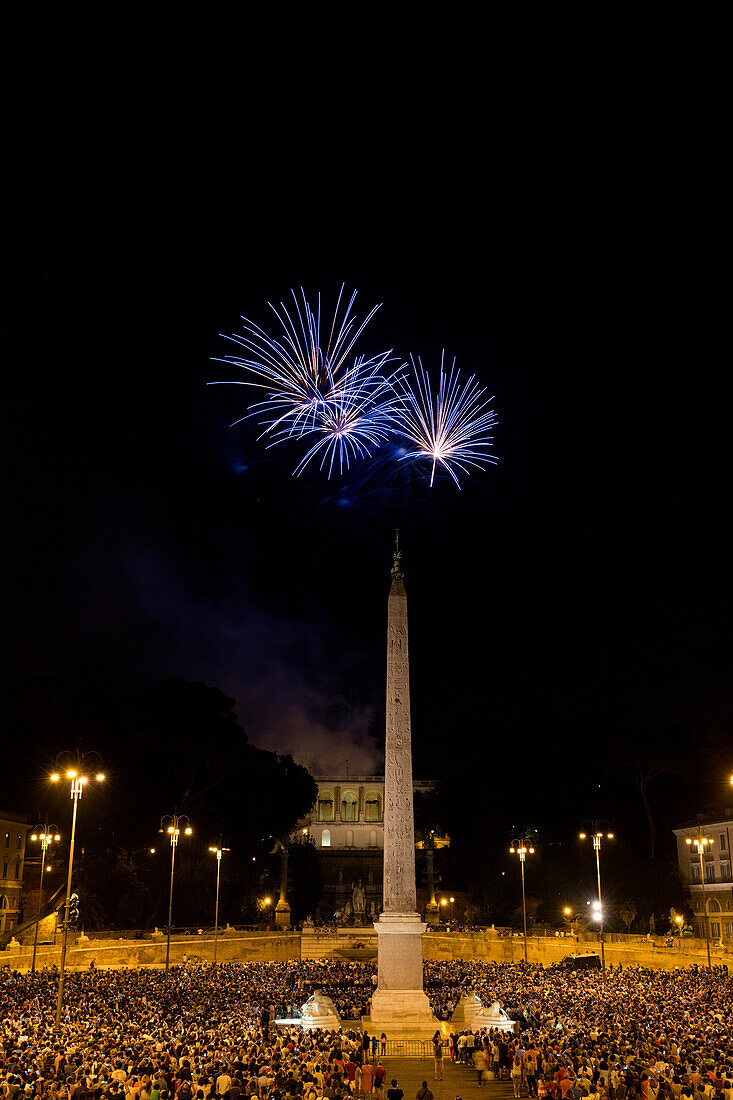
x=204 y=1031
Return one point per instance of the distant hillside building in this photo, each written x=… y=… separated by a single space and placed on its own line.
x=13 y=829
x=718 y=885
x=347 y=827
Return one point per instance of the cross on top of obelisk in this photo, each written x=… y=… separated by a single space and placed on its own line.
x=397 y=562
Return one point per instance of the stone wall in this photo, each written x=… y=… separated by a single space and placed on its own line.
x=269 y=946
x=232 y=947
x=328 y=945
x=627 y=950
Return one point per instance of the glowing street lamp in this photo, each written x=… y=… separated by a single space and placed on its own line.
x=47 y=834
x=598 y=837
x=77 y=783
x=702 y=844
x=679 y=919
x=216 y=911
x=520 y=848
x=172 y=824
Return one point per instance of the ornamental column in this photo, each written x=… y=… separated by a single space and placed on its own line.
x=399 y=1005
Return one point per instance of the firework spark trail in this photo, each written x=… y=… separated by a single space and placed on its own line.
x=346 y=408
x=298 y=374
x=453 y=428
x=355 y=422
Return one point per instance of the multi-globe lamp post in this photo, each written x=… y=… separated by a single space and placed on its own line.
x=77 y=781
x=173 y=825
x=46 y=834
x=522 y=849
x=703 y=844
x=218 y=852
x=598 y=837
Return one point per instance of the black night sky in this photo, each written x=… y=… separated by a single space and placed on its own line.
x=556 y=213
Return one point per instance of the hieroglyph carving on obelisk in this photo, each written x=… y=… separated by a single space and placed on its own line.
x=399 y=829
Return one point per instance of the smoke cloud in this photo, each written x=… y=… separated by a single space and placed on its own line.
x=267 y=664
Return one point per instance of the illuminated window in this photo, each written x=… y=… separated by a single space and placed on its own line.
x=373 y=808
x=7 y=840
x=326 y=838
x=20 y=841
x=325 y=807
x=349 y=807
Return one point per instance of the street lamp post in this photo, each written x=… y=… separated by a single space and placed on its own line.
x=701 y=844
x=47 y=834
x=172 y=824
x=444 y=902
x=598 y=836
x=216 y=909
x=678 y=920
x=78 y=782
x=520 y=848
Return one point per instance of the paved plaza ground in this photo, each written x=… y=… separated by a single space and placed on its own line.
x=458 y=1080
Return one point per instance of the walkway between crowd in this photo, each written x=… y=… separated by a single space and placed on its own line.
x=458 y=1080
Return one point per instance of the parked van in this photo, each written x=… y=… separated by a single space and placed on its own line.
x=587 y=961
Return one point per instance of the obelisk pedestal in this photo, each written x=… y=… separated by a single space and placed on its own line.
x=400 y=1007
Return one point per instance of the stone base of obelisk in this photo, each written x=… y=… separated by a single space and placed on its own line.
x=400 y=1007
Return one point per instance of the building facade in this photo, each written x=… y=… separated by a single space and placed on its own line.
x=346 y=825
x=13 y=830
x=711 y=889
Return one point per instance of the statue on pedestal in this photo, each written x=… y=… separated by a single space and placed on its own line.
x=358 y=898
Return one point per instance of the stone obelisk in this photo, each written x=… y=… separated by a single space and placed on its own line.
x=400 y=1007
